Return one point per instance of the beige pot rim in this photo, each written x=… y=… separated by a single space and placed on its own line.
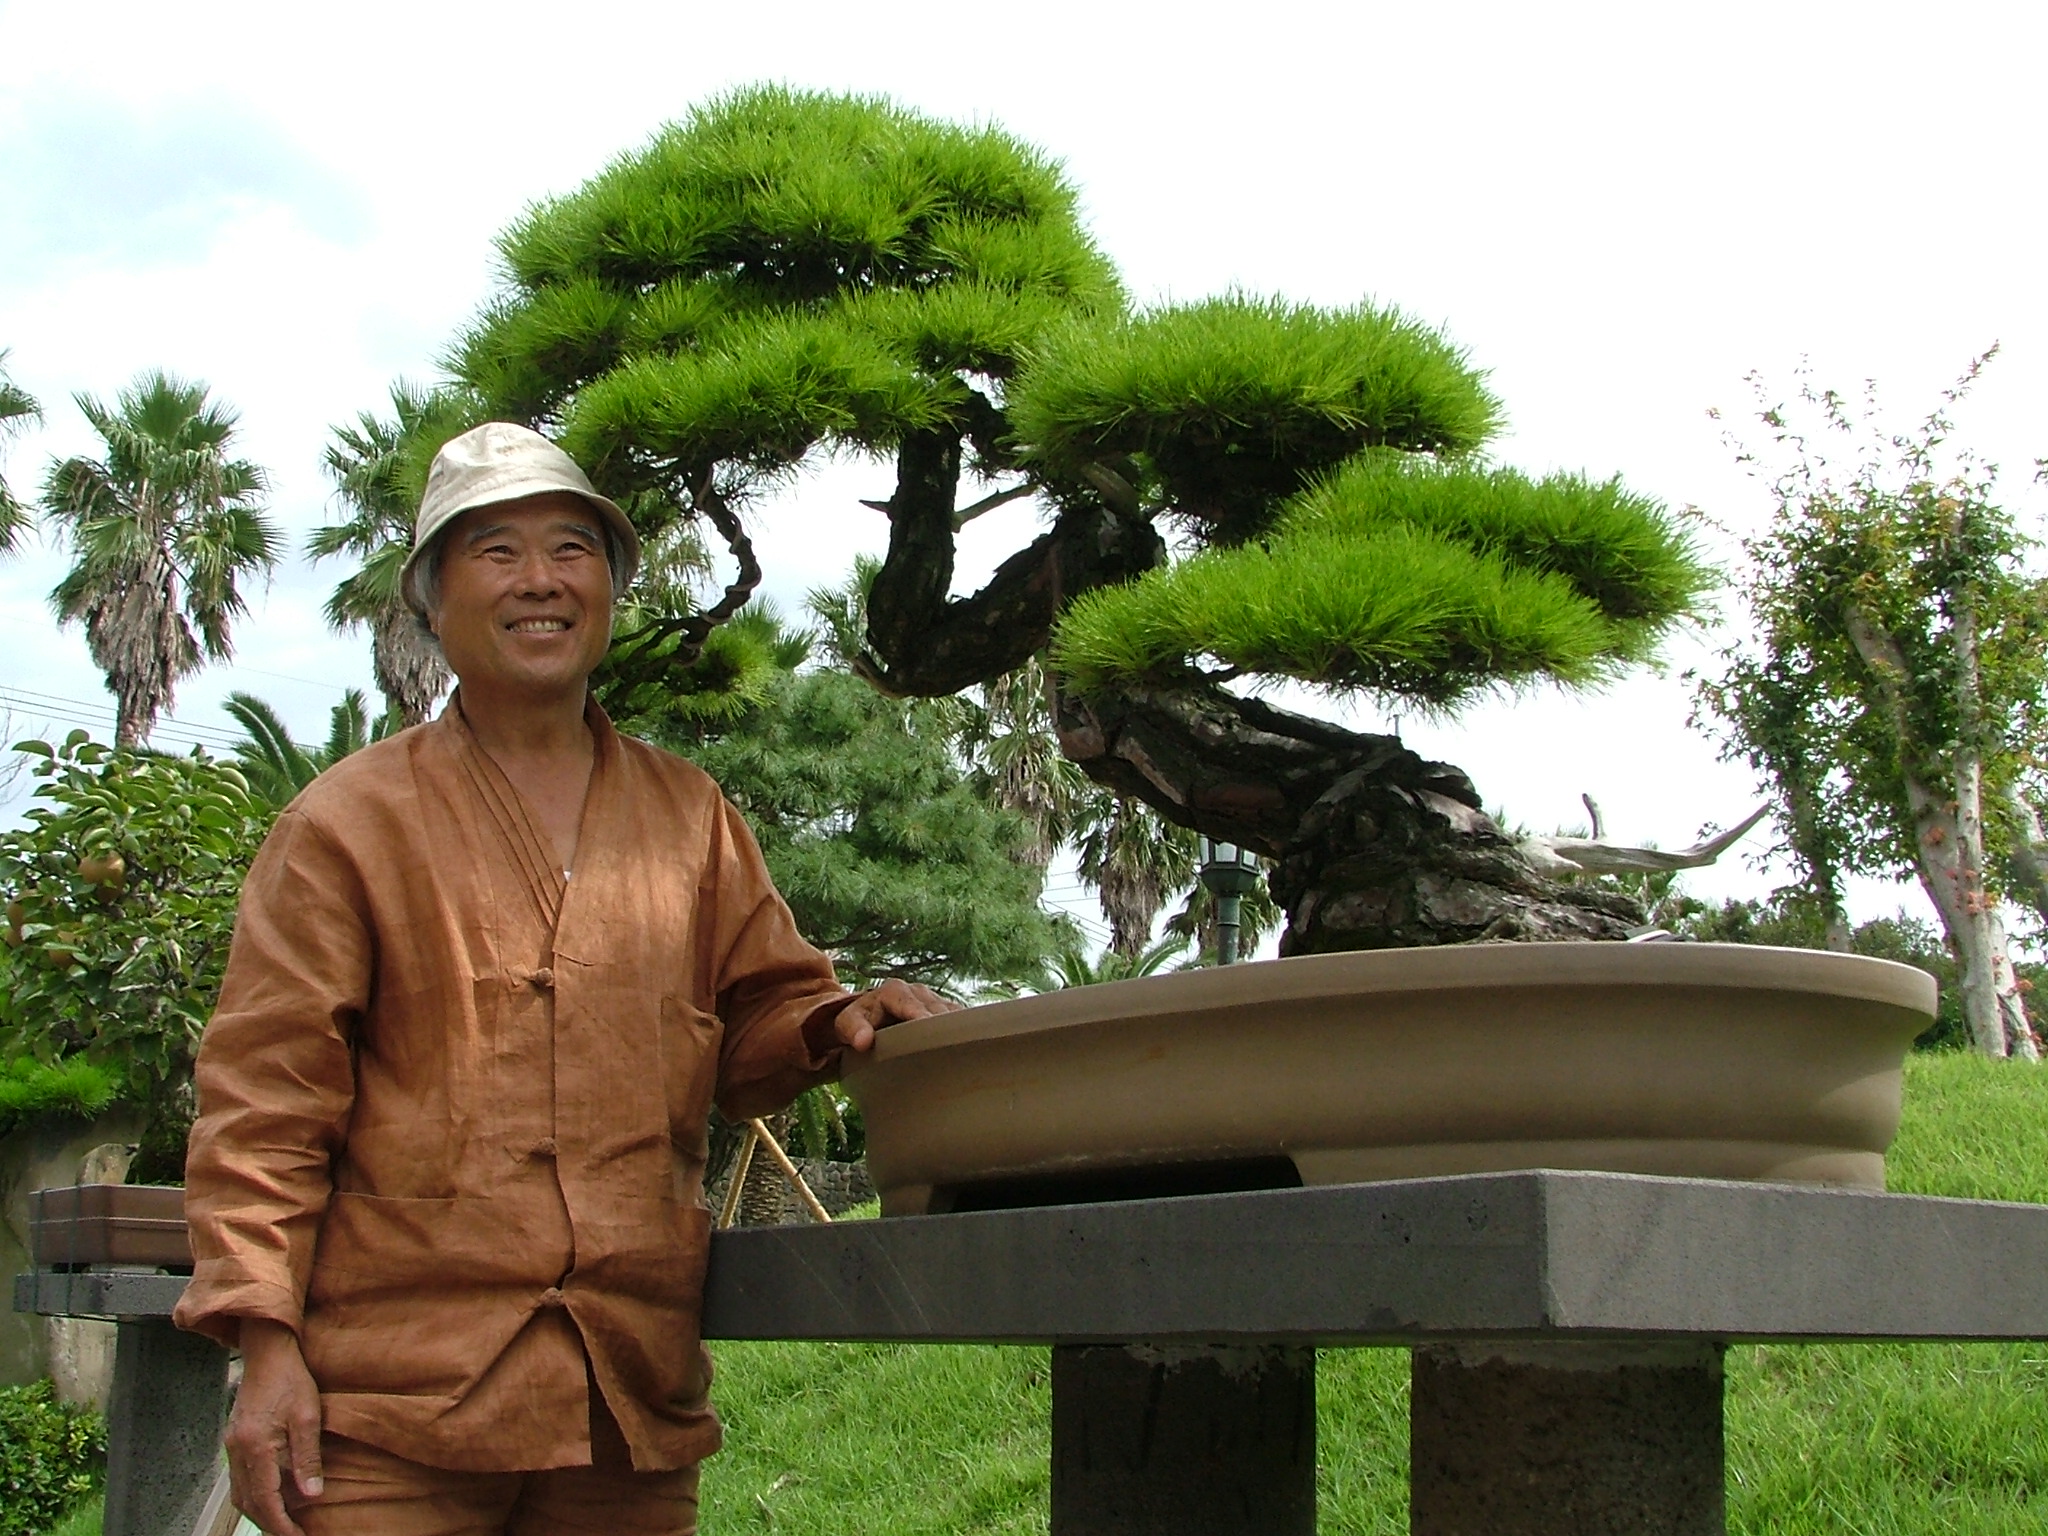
x=1264 y=984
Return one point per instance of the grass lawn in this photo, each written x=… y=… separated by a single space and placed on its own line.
x=1848 y=1440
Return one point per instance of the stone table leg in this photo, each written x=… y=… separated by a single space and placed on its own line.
x=1566 y=1440
x=164 y=1421
x=1180 y=1441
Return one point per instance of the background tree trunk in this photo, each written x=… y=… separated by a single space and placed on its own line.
x=2027 y=863
x=766 y=1198
x=1951 y=874
x=408 y=668
x=1948 y=845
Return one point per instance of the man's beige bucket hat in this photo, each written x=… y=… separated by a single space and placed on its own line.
x=502 y=461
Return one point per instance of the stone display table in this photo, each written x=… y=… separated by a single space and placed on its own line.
x=1567 y=1331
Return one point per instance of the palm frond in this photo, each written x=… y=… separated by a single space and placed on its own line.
x=17 y=409
x=348 y=728
x=164 y=527
x=276 y=767
x=1072 y=967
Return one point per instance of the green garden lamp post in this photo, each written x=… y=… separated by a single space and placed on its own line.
x=1231 y=872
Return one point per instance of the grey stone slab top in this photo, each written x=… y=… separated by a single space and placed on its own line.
x=1537 y=1255
x=1541 y=1254
x=97 y=1293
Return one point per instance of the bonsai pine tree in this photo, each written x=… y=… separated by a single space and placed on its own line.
x=1233 y=491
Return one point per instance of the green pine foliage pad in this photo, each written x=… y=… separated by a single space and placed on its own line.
x=72 y=1086
x=780 y=269
x=761 y=396
x=786 y=272
x=1237 y=401
x=1614 y=547
x=1403 y=576
x=874 y=837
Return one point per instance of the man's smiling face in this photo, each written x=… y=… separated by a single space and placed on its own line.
x=526 y=596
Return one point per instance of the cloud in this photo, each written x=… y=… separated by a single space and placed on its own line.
x=89 y=181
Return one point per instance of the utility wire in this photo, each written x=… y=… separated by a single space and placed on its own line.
x=61 y=710
x=283 y=677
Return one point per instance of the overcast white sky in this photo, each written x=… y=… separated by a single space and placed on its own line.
x=1619 y=210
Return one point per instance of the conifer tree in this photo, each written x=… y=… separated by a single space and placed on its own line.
x=887 y=856
x=784 y=276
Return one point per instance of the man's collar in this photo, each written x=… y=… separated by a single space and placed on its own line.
x=602 y=733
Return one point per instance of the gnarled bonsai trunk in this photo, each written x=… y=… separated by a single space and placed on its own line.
x=1374 y=847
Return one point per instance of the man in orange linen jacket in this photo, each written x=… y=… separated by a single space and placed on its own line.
x=488 y=977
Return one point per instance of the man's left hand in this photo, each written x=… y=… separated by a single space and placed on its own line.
x=892 y=1002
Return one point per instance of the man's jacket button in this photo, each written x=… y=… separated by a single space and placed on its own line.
x=545 y=1147
x=542 y=978
x=551 y=1297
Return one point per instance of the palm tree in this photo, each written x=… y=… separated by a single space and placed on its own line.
x=163 y=529
x=374 y=465
x=1071 y=967
x=1008 y=737
x=1136 y=860
x=17 y=409
x=1195 y=922
x=277 y=767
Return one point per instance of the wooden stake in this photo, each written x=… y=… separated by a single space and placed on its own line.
x=789 y=1171
x=731 y=1205
x=218 y=1515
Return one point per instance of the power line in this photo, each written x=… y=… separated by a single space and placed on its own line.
x=283 y=677
x=27 y=698
x=61 y=710
x=286 y=677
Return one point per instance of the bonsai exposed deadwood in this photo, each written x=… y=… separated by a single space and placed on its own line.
x=1374 y=847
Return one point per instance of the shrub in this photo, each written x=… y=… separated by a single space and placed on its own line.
x=51 y=1456
x=120 y=887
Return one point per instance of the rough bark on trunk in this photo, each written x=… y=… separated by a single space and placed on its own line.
x=1993 y=969
x=1822 y=877
x=1128 y=889
x=765 y=1198
x=1951 y=872
x=930 y=645
x=1949 y=853
x=408 y=668
x=1374 y=847
x=140 y=643
x=2027 y=863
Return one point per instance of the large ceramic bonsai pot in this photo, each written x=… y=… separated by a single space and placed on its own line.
x=1707 y=1060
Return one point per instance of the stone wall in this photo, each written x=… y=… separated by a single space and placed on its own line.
x=838 y=1186
x=77 y=1354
